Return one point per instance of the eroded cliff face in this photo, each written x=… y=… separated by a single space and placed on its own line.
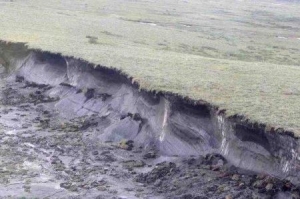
x=172 y=125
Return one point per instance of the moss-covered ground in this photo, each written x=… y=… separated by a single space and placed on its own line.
x=242 y=56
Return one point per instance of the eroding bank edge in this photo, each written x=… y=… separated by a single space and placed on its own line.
x=175 y=125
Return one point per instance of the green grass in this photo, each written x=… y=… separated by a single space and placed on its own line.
x=242 y=56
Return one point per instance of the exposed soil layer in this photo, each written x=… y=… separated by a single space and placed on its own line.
x=69 y=130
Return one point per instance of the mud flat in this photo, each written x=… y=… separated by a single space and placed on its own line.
x=70 y=130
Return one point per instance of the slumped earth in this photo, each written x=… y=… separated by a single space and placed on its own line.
x=47 y=151
x=44 y=155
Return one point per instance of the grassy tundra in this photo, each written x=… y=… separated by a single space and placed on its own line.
x=240 y=55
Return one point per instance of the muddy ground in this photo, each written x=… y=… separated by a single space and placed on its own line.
x=43 y=155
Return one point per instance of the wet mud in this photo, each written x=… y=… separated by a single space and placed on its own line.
x=46 y=156
x=68 y=130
